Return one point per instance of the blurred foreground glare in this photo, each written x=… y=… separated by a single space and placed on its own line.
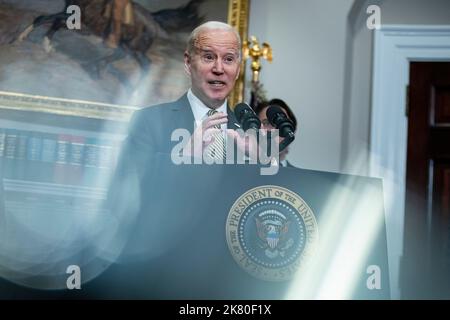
x=351 y=221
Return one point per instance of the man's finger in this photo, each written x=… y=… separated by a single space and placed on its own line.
x=209 y=136
x=217 y=115
x=232 y=133
x=211 y=132
x=214 y=122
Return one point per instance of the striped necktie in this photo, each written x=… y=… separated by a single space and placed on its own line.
x=216 y=150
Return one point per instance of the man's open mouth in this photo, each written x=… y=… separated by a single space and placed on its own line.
x=216 y=83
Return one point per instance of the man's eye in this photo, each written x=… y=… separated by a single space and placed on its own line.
x=208 y=57
x=229 y=59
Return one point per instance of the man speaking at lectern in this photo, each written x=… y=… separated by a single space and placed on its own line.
x=157 y=208
x=212 y=61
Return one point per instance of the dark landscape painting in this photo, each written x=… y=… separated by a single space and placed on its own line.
x=39 y=55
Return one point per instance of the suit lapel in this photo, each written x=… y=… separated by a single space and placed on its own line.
x=232 y=121
x=183 y=116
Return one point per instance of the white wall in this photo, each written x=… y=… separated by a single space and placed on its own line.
x=357 y=123
x=416 y=12
x=308 y=39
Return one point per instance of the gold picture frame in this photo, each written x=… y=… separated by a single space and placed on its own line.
x=238 y=15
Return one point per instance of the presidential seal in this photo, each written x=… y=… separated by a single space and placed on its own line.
x=270 y=232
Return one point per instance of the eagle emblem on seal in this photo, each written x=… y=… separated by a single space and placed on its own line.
x=272 y=228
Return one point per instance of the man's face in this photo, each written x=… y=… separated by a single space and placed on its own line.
x=214 y=66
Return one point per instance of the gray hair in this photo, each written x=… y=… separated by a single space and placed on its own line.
x=211 y=25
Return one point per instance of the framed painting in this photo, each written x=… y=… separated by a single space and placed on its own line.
x=46 y=68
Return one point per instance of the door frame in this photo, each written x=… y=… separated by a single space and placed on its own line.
x=395 y=46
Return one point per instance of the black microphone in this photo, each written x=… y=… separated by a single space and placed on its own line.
x=246 y=117
x=280 y=121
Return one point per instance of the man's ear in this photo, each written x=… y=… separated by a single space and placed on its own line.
x=187 y=63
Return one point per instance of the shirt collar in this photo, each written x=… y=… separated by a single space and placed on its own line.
x=199 y=109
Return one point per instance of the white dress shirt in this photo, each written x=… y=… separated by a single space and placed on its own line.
x=200 y=110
